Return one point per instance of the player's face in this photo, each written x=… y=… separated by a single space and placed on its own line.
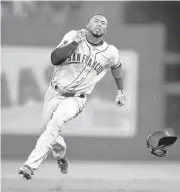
x=97 y=25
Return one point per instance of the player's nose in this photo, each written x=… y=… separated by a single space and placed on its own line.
x=99 y=24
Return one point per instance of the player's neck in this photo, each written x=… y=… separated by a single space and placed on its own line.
x=94 y=40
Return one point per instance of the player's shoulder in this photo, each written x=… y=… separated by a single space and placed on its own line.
x=113 y=50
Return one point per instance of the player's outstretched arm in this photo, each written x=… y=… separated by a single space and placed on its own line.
x=117 y=73
x=67 y=47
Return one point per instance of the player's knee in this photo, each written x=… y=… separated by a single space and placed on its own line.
x=59 y=149
x=58 y=153
x=61 y=142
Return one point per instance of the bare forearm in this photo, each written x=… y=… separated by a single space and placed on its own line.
x=60 y=54
x=118 y=77
x=119 y=83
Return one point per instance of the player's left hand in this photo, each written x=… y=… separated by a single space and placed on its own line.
x=81 y=35
x=120 y=98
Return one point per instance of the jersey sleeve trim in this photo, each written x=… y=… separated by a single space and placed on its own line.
x=117 y=66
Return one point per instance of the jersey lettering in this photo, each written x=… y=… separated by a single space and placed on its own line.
x=86 y=66
x=89 y=61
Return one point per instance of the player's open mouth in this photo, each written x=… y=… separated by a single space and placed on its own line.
x=97 y=29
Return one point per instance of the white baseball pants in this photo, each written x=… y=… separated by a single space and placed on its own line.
x=56 y=111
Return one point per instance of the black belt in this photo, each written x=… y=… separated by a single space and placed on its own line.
x=67 y=94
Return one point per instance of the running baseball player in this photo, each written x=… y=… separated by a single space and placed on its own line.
x=81 y=59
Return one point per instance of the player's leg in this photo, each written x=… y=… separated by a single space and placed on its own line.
x=51 y=100
x=59 y=149
x=59 y=152
x=66 y=110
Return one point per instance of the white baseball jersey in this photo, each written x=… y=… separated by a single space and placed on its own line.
x=78 y=74
x=86 y=66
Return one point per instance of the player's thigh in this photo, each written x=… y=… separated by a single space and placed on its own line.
x=51 y=101
x=68 y=109
x=65 y=110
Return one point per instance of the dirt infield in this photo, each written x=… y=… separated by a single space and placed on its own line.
x=95 y=177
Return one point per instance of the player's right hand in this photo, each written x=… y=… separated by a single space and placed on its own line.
x=81 y=34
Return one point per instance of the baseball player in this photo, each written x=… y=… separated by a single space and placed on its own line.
x=81 y=59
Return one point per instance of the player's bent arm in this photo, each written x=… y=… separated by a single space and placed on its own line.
x=118 y=76
x=60 y=54
x=117 y=73
x=67 y=46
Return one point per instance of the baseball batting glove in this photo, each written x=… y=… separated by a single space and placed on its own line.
x=120 y=98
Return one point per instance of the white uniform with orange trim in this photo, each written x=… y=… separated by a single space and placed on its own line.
x=78 y=74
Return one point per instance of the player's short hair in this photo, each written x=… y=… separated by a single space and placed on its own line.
x=97 y=14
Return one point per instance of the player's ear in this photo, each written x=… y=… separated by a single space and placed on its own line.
x=105 y=31
x=87 y=26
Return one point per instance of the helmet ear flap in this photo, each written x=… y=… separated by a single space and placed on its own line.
x=160 y=151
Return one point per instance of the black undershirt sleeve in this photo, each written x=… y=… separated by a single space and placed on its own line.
x=60 y=54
